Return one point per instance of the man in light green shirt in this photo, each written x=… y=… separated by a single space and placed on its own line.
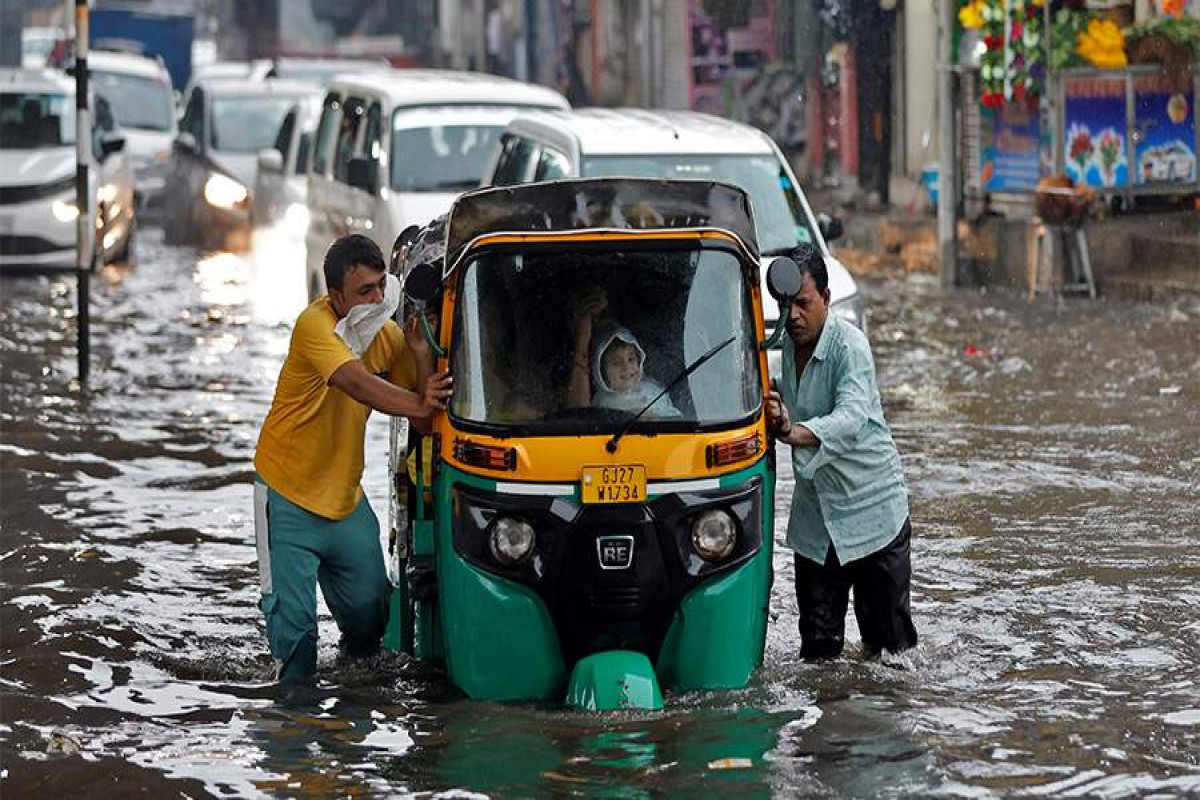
x=849 y=522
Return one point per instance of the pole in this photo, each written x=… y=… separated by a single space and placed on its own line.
x=947 y=180
x=84 y=222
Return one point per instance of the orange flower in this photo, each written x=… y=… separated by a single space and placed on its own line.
x=1173 y=7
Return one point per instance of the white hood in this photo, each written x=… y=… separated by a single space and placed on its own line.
x=40 y=165
x=419 y=208
x=143 y=145
x=241 y=166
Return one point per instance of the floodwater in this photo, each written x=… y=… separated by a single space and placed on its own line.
x=1051 y=451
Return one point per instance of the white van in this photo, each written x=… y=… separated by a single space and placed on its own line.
x=640 y=143
x=394 y=148
x=139 y=89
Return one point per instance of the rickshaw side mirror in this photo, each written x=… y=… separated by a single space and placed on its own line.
x=422 y=283
x=784 y=279
x=406 y=238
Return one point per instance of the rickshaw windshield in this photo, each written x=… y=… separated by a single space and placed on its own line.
x=517 y=326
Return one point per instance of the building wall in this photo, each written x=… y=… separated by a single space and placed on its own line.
x=677 y=51
x=920 y=82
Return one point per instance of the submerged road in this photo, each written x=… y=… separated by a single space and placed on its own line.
x=1051 y=452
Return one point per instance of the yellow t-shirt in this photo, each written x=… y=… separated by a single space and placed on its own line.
x=310 y=449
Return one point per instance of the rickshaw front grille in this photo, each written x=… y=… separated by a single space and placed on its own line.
x=614 y=599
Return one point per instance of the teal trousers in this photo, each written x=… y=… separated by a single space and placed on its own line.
x=297 y=550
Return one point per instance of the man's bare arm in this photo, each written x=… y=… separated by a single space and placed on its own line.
x=354 y=379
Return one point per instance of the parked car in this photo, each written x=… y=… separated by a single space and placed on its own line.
x=37 y=174
x=638 y=143
x=394 y=148
x=225 y=124
x=139 y=89
x=281 y=188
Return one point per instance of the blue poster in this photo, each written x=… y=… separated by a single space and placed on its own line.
x=1010 y=158
x=1096 y=151
x=1167 y=121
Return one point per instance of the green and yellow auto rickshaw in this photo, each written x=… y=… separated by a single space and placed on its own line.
x=568 y=543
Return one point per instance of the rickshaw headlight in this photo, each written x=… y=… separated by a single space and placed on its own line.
x=714 y=534
x=511 y=541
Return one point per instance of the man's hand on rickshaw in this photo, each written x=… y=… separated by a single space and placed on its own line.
x=438 y=388
x=414 y=334
x=779 y=423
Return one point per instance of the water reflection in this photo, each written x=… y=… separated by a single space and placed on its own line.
x=1056 y=585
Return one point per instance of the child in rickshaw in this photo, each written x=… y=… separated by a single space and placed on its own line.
x=614 y=361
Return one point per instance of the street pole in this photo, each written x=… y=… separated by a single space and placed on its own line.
x=947 y=207
x=84 y=223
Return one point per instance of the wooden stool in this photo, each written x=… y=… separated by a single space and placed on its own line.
x=1077 y=274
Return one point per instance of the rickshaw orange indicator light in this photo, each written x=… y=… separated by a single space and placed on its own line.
x=732 y=451
x=486 y=456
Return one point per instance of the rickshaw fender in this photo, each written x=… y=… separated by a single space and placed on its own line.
x=614 y=680
x=716 y=639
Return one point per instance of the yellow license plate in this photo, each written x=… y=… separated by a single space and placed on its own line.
x=614 y=484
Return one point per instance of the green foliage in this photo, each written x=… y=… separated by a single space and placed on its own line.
x=1064 y=38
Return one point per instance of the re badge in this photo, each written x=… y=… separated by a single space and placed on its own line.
x=614 y=552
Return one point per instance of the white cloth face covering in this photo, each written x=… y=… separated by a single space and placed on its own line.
x=359 y=328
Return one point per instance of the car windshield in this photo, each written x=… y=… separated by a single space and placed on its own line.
x=779 y=217
x=247 y=124
x=441 y=158
x=142 y=103
x=514 y=343
x=30 y=120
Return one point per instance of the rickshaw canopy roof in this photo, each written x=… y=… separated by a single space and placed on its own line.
x=599 y=204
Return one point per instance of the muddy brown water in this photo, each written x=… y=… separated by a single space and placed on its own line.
x=1051 y=451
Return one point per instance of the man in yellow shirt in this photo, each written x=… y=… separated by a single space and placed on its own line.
x=313 y=522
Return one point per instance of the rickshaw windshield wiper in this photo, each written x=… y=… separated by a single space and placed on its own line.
x=611 y=445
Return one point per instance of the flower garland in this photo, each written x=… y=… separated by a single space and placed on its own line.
x=1010 y=74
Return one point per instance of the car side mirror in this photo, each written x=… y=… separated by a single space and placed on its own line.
x=784 y=279
x=422 y=283
x=270 y=160
x=111 y=143
x=360 y=173
x=830 y=226
x=186 y=142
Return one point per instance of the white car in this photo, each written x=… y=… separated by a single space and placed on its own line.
x=639 y=143
x=395 y=148
x=37 y=174
x=281 y=188
x=139 y=89
x=226 y=124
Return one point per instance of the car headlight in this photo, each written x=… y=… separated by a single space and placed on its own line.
x=224 y=192
x=851 y=309
x=714 y=534
x=510 y=541
x=64 y=210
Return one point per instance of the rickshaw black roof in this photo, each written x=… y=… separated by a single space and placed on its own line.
x=599 y=204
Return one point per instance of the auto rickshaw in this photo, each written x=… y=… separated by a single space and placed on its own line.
x=548 y=548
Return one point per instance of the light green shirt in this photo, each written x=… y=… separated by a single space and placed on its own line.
x=850 y=491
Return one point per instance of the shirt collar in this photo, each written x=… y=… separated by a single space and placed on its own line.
x=826 y=340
